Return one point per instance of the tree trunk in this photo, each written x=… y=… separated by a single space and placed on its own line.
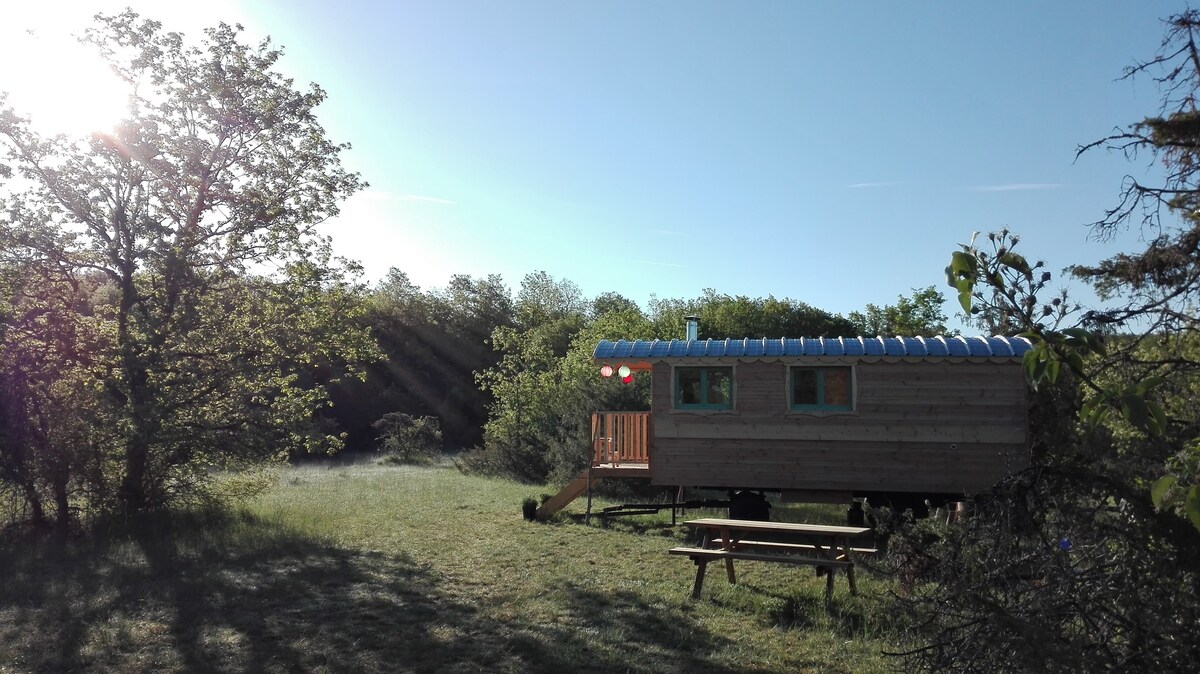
x=35 y=504
x=132 y=493
x=145 y=422
x=62 y=514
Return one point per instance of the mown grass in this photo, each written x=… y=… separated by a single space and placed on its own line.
x=400 y=569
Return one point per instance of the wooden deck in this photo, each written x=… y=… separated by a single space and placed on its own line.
x=621 y=440
x=621 y=470
x=620 y=449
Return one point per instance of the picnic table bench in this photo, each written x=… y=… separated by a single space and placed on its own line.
x=824 y=546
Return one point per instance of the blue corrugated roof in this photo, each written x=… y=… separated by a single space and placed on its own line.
x=816 y=347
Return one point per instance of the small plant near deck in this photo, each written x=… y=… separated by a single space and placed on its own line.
x=529 y=508
x=404 y=438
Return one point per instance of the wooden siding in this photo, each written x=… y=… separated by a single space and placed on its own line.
x=950 y=427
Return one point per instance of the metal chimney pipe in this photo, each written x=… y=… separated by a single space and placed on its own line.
x=693 y=327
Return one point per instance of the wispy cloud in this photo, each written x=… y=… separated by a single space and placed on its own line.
x=423 y=199
x=859 y=186
x=1013 y=187
x=383 y=195
x=661 y=264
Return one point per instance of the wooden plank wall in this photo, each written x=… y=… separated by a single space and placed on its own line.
x=921 y=427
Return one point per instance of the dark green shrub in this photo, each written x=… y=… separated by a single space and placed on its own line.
x=1058 y=569
x=404 y=438
x=529 y=509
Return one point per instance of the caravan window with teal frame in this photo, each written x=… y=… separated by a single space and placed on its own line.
x=821 y=388
x=706 y=388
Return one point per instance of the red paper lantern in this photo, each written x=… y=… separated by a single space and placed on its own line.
x=628 y=379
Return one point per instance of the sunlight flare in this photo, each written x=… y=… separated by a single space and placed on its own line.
x=60 y=84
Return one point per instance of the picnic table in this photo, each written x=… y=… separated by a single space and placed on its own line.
x=824 y=546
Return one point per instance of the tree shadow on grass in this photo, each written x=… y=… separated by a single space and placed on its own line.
x=224 y=594
x=232 y=593
x=635 y=524
x=800 y=608
x=605 y=632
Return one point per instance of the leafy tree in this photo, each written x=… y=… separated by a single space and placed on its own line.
x=408 y=439
x=918 y=315
x=48 y=412
x=1158 y=289
x=1086 y=562
x=545 y=386
x=726 y=316
x=472 y=310
x=542 y=299
x=539 y=427
x=1068 y=565
x=433 y=342
x=584 y=391
x=524 y=419
x=199 y=212
x=610 y=302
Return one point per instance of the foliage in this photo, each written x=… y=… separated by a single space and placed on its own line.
x=433 y=342
x=408 y=439
x=918 y=315
x=1086 y=562
x=1069 y=565
x=1159 y=286
x=543 y=299
x=585 y=392
x=538 y=424
x=49 y=416
x=545 y=386
x=1056 y=570
x=219 y=305
x=727 y=316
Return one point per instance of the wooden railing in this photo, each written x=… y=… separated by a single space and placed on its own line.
x=620 y=437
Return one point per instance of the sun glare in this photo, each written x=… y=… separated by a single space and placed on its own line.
x=62 y=86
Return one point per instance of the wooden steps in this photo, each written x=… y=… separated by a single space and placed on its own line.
x=568 y=493
x=580 y=485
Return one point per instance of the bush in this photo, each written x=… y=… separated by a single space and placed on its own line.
x=1058 y=569
x=404 y=438
x=529 y=509
x=520 y=461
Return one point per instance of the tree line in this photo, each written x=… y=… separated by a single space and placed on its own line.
x=509 y=375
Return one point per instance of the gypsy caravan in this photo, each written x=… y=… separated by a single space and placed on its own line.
x=819 y=419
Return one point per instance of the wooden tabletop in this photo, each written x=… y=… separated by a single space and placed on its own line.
x=756 y=525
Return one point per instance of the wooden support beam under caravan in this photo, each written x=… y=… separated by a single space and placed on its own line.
x=822 y=418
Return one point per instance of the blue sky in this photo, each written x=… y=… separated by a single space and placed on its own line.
x=830 y=152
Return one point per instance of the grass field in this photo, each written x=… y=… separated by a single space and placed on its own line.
x=400 y=569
